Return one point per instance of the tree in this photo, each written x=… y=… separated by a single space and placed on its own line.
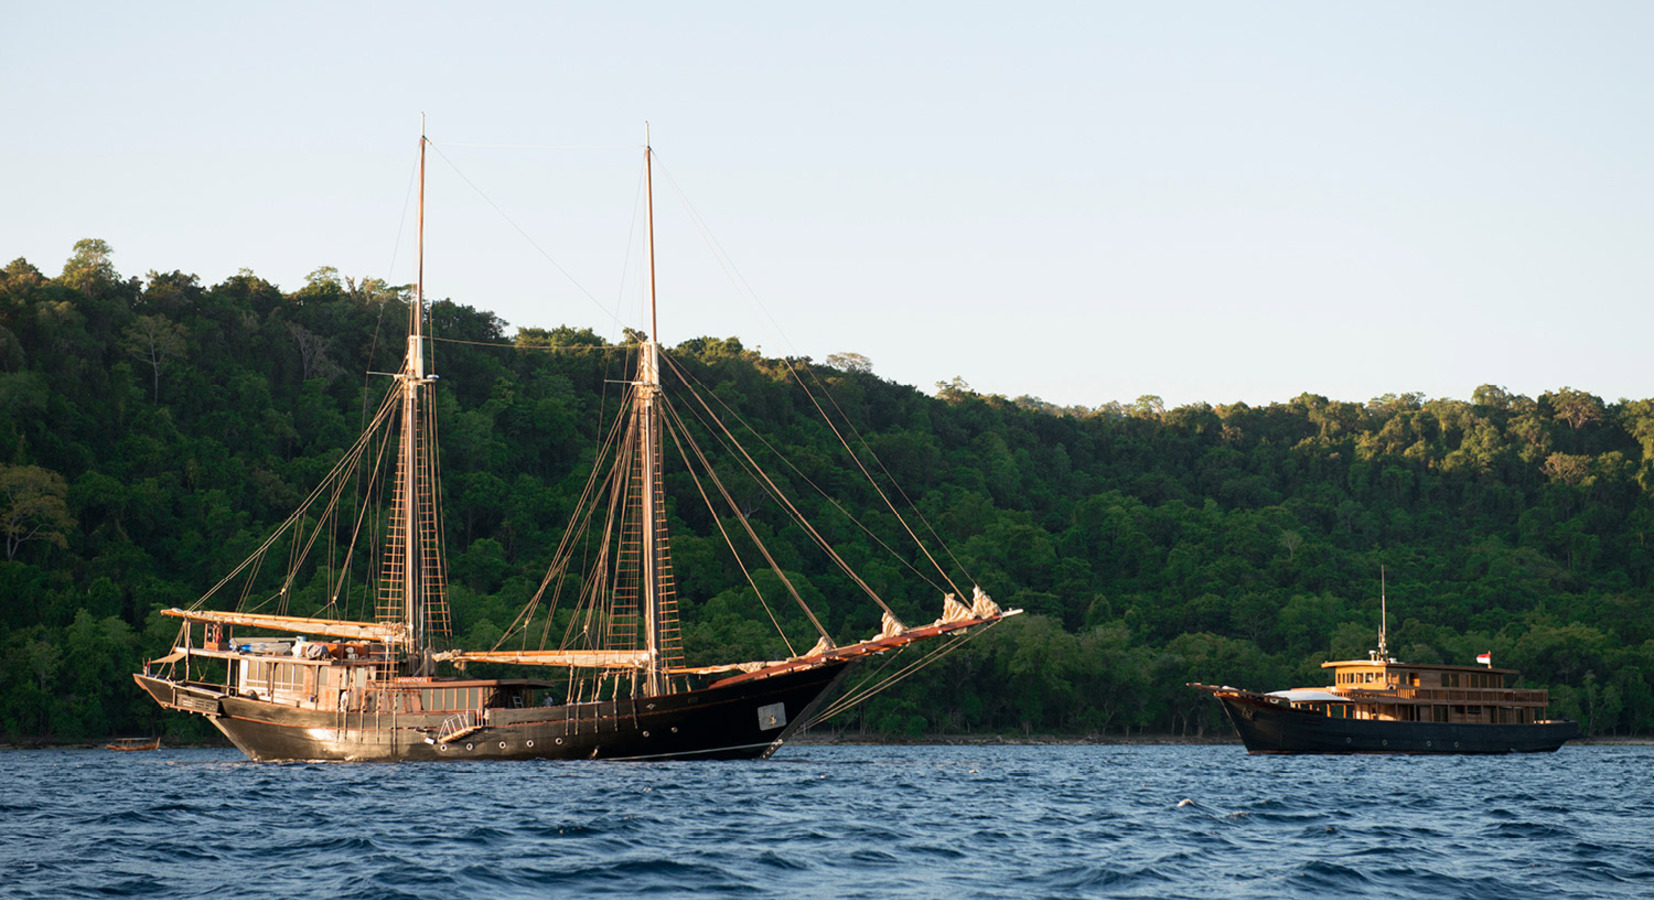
x=1291 y=540
x=850 y=362
x=1148 y=406
x=32 y=507
x=313 y=359
x=1568 y=469
x=1493 y=396
x=955 y=392
x=154 y=340
x=561 y=337
x=89 y=266
x=1575 y=407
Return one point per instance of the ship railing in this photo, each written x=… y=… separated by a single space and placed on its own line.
x=1481 y=696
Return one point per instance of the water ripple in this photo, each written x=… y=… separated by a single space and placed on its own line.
x=850 y=822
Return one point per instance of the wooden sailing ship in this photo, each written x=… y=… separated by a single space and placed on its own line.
x=284 y=687
x=1382 y=705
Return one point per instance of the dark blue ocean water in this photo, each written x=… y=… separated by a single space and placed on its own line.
x=841 y=822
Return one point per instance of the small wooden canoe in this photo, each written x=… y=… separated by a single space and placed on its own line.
x=153 y=743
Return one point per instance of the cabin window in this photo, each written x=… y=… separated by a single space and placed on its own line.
x=1412 y=679
x=1438 y=713
x=508 y=698
x=440 y=699
x=285 y=677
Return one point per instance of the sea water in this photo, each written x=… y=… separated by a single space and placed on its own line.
x=839 y=822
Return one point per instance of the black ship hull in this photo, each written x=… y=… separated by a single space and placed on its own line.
x=746 y=720
x=1267 y=727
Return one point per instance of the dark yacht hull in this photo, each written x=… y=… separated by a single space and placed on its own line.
x=1266 y=727
x=746 y=720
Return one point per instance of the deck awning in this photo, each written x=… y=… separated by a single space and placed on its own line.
x=1307 y=695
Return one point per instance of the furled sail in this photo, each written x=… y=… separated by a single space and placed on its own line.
x=577 y=659
x=338 y=628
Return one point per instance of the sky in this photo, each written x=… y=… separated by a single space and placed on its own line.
x=1081 y=202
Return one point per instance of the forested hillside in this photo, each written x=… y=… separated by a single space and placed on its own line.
x=153 y=430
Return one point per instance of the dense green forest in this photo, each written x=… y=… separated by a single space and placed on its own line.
x=153 y=430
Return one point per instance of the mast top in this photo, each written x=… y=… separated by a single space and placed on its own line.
x=649 y=192
x=415 y=325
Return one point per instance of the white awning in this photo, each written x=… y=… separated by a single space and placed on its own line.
x=1307 y=695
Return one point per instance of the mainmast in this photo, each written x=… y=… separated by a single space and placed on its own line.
x=413 y=375
x=648 y=390
x=412 y=597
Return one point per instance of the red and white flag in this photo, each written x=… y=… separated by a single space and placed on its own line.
x=1485 y=659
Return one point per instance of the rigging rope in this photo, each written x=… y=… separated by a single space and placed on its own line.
x=863 y=692
x=887 y=501
x=742 y=286
x=746 y=525
x=531 y=242
x=781 y=497
x=292 y=521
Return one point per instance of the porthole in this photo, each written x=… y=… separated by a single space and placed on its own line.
x=646 y=734
x=442 y=748
x=559 y=740
x=502 y=745
x=530 y=744
x=467 y=746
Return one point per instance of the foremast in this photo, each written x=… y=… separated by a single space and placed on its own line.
x=413 y=586
x=654 y=568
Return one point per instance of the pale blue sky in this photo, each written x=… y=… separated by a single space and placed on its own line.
x=1083 y=202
